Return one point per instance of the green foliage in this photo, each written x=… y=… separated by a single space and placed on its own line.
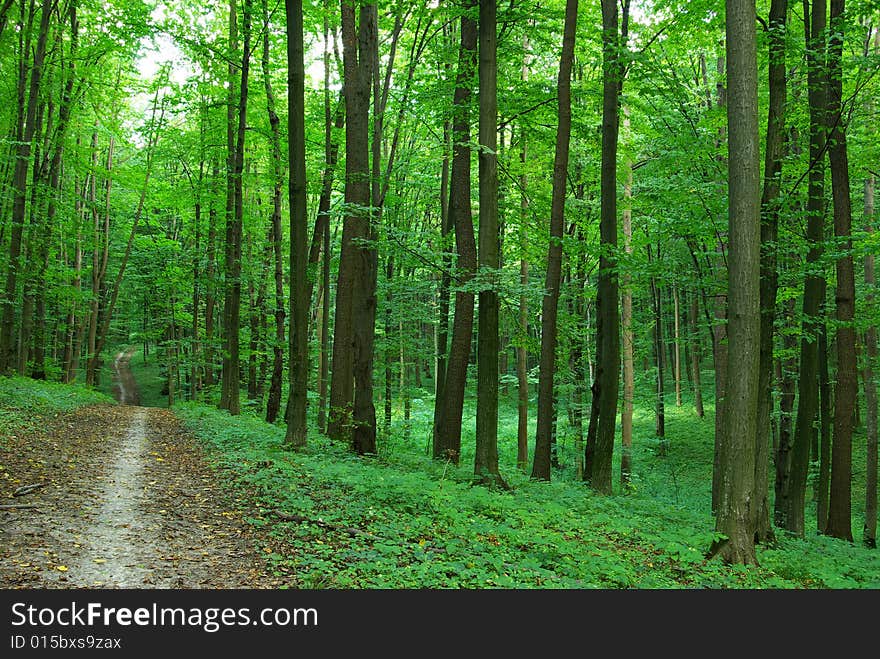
x=401 y=520
x=23 y=401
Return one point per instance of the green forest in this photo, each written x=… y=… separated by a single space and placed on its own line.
x=467 y=294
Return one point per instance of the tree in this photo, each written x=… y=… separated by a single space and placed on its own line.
x=299 y=300
x=769 y=280
x=600 y=447
x=793 y=461
x=735 y=518
x=546 y=415
x=486 y=455
x=449 y=409
x=840 y=500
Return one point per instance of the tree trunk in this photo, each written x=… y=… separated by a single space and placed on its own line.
x=273 y=401
x=869 y=533
x=229 y=393
x=447 y=427
x=676 y=338
x=486 y=455
x=297 y=190
x=695 y=351
x=737 y=460
x=840 y=499
x=789 y=509
x=598 y=454
x=626 y=321
x=769 y=279
x=356 y=308
x=550 y=303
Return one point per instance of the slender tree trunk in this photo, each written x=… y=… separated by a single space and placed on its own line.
x=869 y=533
x=660 y=400
x=695 y=352
x=789 y=511
x=769 y=278
x=486 y=455
x=352 y=415
x=299 y=299
x=626 y=321
x=550 y=304
x=522 y=375
x=210 y=284
x=447 y=427
x=840 y=500
x=825 y=404
x=442 y=333
x=273 y=401
x=676 y=338
x=599 y=451
x=229 y=393
x=736 y=519
x=719 y=326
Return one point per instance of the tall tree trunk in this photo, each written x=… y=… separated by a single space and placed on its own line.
x=447 y=427
x=19 y=183
x=660 y=387
x=789 y=510
x=840 y=500
x=486 y=454
x=599 y=451
x=825 y=400
x=869 y=533
x=737 y=461
x=522 y=375
x=550 y=303
x=299 y=299
x=442 y=333
x=210 y=284
x=352 y=415
x=676 y=342
x=719 y=326
x=229 y=392
x=626 y=321
x=769 y=278
x=695 y=351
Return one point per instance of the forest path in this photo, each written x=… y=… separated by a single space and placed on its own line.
x=125 y=388
x=129 y=502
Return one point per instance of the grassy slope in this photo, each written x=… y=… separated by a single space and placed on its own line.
x=425 y=526
x=23 y=401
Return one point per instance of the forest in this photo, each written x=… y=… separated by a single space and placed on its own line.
x=530 y=293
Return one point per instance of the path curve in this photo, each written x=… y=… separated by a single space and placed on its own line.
x=125 y=388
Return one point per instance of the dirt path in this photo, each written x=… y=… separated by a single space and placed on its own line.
x=125 y=387
x=129 y=502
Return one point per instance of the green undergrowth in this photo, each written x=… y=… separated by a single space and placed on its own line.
x=401 y=520
x=24 y=402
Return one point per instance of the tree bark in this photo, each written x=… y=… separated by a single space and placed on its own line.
x=447 y=427
x=840 y=499
x=735 y=519
x=869 y=532
x=550 y=303
x=300 y=302
x=769 y=279
x=273 y=401
x=789 y=510
x=599 y=451
x=695 y=352
x=486 y=455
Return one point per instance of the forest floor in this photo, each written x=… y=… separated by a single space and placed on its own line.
x=126 y=500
